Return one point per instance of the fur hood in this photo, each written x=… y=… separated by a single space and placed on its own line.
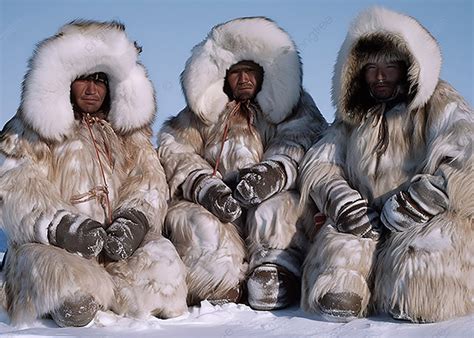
x=84 y=47
x=257 y=39
x=390 y=35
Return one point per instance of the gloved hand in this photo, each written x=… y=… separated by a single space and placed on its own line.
x=214 y=195
x=359 y=219
x=348 y=210
x=125 y=234
x=259 y=182
x=77 y=234
x=425 y=198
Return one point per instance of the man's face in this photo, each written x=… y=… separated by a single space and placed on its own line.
x=244 y=79
x=88 y=94
x=383 y=78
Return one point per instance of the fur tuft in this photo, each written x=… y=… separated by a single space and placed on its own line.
x=152 y=281
x=257 y=39
x=216 y=263
x=39 y=278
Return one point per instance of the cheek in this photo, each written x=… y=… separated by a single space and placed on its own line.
x=369 y=77
x=76 y=90
x=102 y=93
x=254 y=79
x=232 y=80
x=394 y=75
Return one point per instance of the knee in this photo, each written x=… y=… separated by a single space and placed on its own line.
x=189 y=224
x=418 y=248
x=282 y=203
x=277 y=216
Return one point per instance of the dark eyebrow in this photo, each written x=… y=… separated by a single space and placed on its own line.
x=246 y=68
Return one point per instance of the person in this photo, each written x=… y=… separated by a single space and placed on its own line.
x=231 y=159
x=83 y=194
x=393 y=175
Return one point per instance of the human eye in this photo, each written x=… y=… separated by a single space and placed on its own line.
x=99 y=83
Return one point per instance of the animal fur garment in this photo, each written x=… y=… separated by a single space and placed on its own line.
x=51 y=168
x=424 y=273
x=279 y=125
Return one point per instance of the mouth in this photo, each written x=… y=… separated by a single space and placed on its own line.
x=382 y=88
x=245 y=86
x=88 y=99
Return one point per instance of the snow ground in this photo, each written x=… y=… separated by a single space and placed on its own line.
x=237 y=320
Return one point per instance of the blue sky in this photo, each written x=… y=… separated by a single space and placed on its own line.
x=168 y=30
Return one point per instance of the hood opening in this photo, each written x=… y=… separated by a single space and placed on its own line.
x=373 y=48
x=106 y=105
x=228 y=91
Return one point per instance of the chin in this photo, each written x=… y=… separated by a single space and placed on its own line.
x=90 y=109
x=383 y=95
x=245 y=96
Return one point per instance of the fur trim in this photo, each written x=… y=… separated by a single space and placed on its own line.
x=152 y=281
x=39 y=278
x=84 y=47
x=337 y=262
x=257 y=39
x=399 y=36
x=426 y=272
x=212 y=251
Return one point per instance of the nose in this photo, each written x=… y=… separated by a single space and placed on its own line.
x=381 y=74
x=244 y=77
x=91 y=88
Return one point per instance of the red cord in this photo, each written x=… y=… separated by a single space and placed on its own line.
x=224 y=137
x=108 y=210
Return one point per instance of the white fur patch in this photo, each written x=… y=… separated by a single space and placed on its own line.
x=9 y=163
x=256 y=39
x=152 y=197
x=434 y=241
x=79 y=50
x=42 y=226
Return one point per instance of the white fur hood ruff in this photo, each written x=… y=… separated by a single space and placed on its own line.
x=79 y=48
x=257 y=39
x=400 y=34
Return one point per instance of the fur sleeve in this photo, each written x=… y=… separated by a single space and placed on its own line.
x=450 y=133
x=180 y=148
x=322 y=165
x=144 y=188
x=294 y=136
x=29 y=202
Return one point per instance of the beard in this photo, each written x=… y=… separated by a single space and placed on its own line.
x=244 y=97
x=245 y=92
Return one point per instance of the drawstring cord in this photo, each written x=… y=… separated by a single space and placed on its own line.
x=224 y=136
x=100 y=193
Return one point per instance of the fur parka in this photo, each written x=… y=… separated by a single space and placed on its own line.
x=423 y=273
x=50 y=164
x=285 y=124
